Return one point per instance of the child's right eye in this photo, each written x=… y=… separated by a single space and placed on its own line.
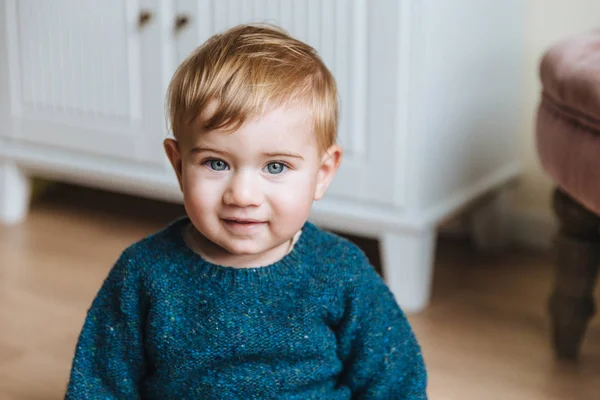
x=216 y=165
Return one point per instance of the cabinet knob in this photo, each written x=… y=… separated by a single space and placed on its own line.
x=181 y=22
x=144 y=17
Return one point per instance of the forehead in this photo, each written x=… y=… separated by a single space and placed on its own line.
x=283 y=126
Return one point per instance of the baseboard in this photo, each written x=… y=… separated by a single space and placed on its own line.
x=533 y=229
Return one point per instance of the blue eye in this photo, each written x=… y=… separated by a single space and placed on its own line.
x=217 y=165
x=276 y=168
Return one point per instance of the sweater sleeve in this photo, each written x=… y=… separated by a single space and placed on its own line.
x=109 y=360
x=381 y=356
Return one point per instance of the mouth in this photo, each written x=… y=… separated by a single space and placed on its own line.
x=242 y=221
x=242 y=225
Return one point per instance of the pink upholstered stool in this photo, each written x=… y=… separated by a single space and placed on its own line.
x=568 y=141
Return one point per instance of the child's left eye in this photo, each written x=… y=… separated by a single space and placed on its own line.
x=275 y=168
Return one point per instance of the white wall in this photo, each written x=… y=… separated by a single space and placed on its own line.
x=547 y=21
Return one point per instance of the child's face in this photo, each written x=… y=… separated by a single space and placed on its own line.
x=250 y=191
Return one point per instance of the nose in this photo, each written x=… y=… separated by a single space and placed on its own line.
x=243 y=190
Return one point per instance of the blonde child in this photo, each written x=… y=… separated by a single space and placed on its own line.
x=243 y=298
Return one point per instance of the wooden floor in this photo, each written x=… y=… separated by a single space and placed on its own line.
x=484 y=336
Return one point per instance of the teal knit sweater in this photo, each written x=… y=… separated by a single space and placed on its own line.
x=319 y=324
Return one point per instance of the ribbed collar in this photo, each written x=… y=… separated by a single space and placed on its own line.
x=291 y=265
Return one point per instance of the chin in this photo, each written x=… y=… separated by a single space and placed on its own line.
x=243 y=249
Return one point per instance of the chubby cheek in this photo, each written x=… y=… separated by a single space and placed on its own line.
x=200 y=199
x=291 y=203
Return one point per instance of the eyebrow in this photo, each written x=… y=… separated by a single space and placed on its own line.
x=283 y=154
x=201 y=149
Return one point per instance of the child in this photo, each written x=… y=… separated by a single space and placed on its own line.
x=243 y=298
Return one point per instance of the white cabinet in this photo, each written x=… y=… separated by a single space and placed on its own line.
x=78 y=73
x=429 y=93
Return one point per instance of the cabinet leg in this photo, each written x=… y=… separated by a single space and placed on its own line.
x=15 y=193
x=577 y=252
x=407 y=264
x=489 y=221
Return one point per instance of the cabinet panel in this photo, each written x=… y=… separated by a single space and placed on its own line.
x=76 y=75
x=340 y=31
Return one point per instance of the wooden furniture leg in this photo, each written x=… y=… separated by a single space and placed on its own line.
x=577 y=252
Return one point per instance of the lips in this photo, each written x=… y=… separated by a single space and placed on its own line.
x=243 y=226
x=242 y=221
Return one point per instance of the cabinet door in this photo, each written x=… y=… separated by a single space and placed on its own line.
x=346 y=35
x=85 y=76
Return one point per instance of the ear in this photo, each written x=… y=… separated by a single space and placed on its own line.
x=330 y=163
x=172 y=149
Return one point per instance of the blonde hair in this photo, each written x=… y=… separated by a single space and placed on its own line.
x=246 y=69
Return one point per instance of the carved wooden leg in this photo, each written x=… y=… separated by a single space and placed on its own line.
x=577 y=257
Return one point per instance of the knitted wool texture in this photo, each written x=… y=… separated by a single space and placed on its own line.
x=318 y=324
